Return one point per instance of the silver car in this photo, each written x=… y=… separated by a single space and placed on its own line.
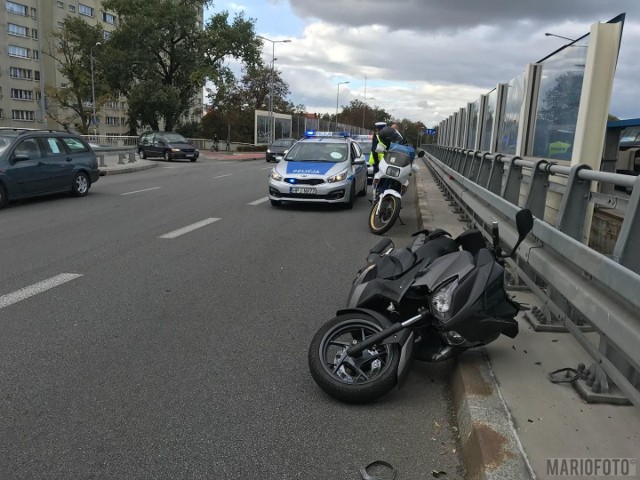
x=322 y=167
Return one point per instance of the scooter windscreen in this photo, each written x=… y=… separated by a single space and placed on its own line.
x=397 y=158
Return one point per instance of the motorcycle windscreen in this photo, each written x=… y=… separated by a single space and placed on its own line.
x=396 y=158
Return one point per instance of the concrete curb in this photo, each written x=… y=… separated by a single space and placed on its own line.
x=490 y=446
x=125 y=169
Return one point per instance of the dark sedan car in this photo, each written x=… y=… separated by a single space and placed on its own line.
x=40 y=162
x=278 y=148
x=168 y=145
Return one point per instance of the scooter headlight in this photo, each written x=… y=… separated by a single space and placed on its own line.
x=393 y=172
x=441 y=301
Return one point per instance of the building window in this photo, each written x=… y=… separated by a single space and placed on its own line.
x=108 y=18
x=18 y=30
x=23 y=115
x=1 y=113
x=18 y=8
x=60 y=24
x=34 y=33
x=106 y=35
x=21 y=73
x=60 y=4
x=72 y=8
x=112 y=120
x=21 y=94
x=85 y=10
x=36 y=55
x=15 y=51
x=36 y=75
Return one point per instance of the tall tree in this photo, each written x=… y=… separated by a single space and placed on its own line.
x=162 y=56
x=71 y=105
x=358 y=113
x=234 y=101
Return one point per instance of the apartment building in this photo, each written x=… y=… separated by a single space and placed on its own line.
x=28 y=28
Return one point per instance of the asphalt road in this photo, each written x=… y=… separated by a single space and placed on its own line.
x=131 y=348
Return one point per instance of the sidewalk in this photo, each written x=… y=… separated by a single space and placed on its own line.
x=511 y=419
x=113 y=165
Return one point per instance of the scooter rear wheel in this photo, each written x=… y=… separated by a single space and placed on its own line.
x=381 y=221
x=357 y=379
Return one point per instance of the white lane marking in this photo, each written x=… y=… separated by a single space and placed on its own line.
x=36 y=288
x=139 y=191
x=266 y=168
x=189 y=228
x=227 y=175
x=259 y=201
x=170 y=167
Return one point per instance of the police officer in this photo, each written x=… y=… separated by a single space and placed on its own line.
x=375 y=157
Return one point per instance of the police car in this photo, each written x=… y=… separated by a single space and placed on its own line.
x=364 y=141
x=322 y=167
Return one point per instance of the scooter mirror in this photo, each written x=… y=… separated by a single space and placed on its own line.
x=524 y=222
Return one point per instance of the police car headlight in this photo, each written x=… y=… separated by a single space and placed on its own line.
x=441 y=301
x=268 y=150
x=276 y=176
x=338 y=177
x=393 y=171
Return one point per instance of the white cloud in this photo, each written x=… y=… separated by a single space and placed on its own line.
x=424 y=59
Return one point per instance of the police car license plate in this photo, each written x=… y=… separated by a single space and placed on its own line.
x=305 y=190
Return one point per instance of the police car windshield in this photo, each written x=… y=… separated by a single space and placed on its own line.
x=365 y=147
x=317 y=152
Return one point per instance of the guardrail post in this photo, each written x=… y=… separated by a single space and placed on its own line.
x=484 y=170
x=626 y=251
x=573 y=209
x=132 y=157
x=495 y=176
x=473 y=176
x=121 y=158
x=511 y=191
x=536 y=200
x=101 y=160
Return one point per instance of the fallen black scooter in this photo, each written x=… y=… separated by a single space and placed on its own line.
x=428 y=302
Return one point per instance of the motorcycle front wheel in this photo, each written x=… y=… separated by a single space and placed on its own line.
x=381 y=221
x=358 y=379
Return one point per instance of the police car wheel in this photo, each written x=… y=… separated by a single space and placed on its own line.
x=363 y=192
x=352 y=196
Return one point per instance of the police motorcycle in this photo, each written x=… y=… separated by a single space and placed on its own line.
x=389 y=185
x=429 y=302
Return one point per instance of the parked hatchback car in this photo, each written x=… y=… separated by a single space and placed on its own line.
x=40 y=162
x=278 y=148
x=168 y=145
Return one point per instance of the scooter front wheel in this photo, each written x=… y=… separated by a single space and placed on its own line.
x=358 y=379
x=384 y=214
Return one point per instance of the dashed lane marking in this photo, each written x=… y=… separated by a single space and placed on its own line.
x=259 y=201
x=140 y=191
x=36 y=288
x=189 y=228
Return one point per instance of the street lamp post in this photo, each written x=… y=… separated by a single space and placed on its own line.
x=93 y=91
x=364 y=109
x=273 y=61
x=337 y=100
x=559 y=36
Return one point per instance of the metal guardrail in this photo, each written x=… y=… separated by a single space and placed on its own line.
x=575 y=283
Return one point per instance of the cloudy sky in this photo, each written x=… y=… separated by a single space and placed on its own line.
x=425 y=59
